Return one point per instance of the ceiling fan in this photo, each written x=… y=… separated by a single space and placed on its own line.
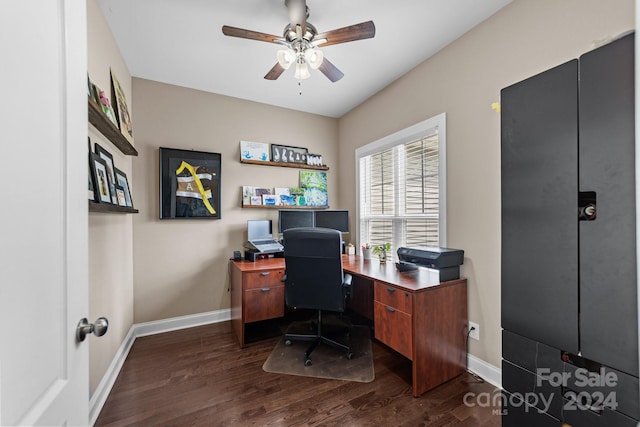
x=301 y=41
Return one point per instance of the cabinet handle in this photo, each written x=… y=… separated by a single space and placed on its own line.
x=265 y=289
x=265 y=273
x=390 y=289
x=390 y=309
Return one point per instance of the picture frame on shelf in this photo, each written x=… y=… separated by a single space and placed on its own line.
x=314 y=159
x=287 y=154
x=100 y=177
x=91 y=192
x=256 y=151
x=123 y=182
x=108 y=159
x=96 y=94
x=122 y=202
x=121 y=108
x=190 y=183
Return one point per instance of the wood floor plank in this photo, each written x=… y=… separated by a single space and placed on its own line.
x=200 y=377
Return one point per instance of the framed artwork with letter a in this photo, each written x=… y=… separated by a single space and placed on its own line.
x=189 y=184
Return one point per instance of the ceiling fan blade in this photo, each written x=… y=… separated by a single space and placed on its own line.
x=330 y=70
x=275 y=72
x=364 y=30
x=251 y=35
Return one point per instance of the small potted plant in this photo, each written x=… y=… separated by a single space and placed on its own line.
x=381 y=251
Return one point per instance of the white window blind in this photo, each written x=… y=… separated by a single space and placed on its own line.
x=401 y=187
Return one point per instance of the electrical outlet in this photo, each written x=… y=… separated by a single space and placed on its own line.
x=474 y=329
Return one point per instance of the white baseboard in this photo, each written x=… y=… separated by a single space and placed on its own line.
x=99 y=397
x=182 y=322
x=484 y=370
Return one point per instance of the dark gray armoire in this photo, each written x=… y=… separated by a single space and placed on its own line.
x=569 y=295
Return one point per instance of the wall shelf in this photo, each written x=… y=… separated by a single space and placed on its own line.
x=108 y=129
x=282 y=207
x=104 y=207
x=285 y=165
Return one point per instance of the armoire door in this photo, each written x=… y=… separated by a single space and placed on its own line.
x=608 y=293
x=539 y=207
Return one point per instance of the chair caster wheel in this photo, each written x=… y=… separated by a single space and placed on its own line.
x=307 y=362
x=350 y=355
x=287 y=342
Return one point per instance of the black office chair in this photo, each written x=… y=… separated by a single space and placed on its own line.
x=314 y=280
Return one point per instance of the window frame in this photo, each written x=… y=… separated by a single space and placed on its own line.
x=409 y=134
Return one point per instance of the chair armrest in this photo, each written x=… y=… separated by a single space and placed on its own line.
x=346 y=284
x=347 y=280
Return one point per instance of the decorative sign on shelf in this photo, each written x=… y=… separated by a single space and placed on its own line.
x=254 y=151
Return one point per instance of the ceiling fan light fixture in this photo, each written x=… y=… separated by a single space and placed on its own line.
x=314 y=58
x=286 y=57
x=302 y=71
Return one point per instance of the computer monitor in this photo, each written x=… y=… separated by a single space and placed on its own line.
x=335 y=219
x=289 y=218
x=258 y=229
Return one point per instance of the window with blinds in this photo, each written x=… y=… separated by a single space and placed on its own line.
x=400 y=188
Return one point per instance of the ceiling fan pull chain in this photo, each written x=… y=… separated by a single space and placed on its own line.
x=299 y=88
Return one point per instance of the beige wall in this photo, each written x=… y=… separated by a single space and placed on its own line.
x=181 y=266
x=523 y=39
x=110 y=235
x=161 y=269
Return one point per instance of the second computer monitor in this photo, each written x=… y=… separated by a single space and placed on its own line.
x=294 y=218
x=337 y=220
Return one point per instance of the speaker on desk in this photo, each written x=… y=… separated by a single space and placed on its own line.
x=237 y=256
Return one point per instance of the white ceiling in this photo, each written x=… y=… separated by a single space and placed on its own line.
x=180 y=42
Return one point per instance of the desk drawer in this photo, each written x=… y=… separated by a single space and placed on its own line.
x=393 y=327
x=263 y=303
x=263 y=279
x=393 y=297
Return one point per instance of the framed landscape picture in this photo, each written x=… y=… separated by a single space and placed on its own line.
x=189 y=184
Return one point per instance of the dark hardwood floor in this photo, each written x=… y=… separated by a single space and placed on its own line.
x=200 y=377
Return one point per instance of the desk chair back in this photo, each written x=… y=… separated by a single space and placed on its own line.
x=313 y=262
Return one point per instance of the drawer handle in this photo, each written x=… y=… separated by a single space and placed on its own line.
x=265 y=273
x=390 y=309
x=265 y=289
x=390 y=289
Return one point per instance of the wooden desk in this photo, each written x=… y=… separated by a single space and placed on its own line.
x=413 y=312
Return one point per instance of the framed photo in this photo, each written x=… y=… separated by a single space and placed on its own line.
x=108 y=159
x=91 y=194
x=286 y=154
x=120 y=196
x=100 y=178
x=189 y=184
x=121 y=108
x=122 y=182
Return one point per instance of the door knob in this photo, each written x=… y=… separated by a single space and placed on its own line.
x=99 y=328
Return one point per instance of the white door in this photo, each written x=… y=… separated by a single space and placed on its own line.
x=43 y=212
